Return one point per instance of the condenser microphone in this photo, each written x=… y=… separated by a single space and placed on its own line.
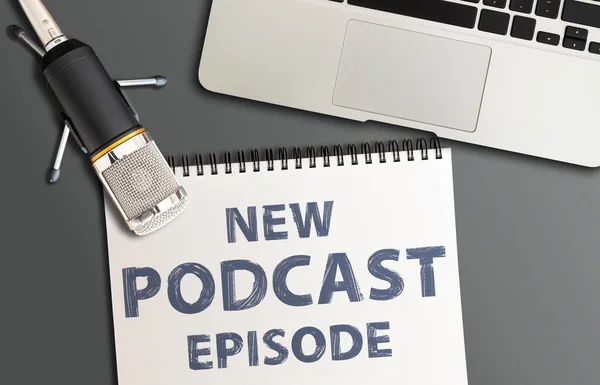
x=127 y=161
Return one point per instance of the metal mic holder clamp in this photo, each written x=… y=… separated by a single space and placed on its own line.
x=156 y=81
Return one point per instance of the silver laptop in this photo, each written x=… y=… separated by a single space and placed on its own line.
x=518 y=75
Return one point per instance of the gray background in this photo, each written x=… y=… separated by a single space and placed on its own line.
x=527 y=228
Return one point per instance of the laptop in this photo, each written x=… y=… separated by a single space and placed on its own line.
x=516 y=75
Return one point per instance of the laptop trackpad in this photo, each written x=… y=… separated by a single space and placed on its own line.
x=412 y=76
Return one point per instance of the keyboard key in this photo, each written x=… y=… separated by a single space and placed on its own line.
x=525 y=6
x=576 y=33
x=494 y=22
x=595 y=48
x=439 y=11
x=495 y=3
x=576 y=44
x=548 y=38
x=581 y=13
x=548 y=8
x=523 y=28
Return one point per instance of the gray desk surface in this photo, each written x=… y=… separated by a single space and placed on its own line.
x=528 y=229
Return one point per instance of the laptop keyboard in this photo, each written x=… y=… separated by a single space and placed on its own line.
x=519 y=24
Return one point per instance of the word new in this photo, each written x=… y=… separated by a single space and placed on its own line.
x=249 y=226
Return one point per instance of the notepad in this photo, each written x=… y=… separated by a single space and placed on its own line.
x=337 y=268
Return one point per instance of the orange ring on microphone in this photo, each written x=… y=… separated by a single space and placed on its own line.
x=117 y=143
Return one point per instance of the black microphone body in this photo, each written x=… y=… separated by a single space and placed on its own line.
x=135 y=174
x=88 y=96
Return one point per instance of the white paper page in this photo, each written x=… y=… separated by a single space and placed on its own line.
x=379 y=206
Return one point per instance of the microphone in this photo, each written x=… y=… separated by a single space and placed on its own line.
x=125 y=158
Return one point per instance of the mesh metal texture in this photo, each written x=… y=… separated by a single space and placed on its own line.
x=141 y=180
x=161 y=219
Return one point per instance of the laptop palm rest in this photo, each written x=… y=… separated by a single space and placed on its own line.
x=425 y=78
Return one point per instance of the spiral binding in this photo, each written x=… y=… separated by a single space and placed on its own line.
x=297 y=160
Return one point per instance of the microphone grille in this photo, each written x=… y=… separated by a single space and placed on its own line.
x=162 y=219
x=139 y=181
